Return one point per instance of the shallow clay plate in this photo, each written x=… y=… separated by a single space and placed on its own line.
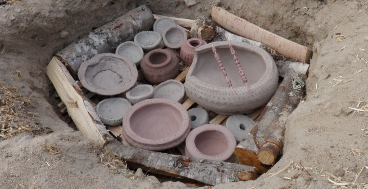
x=111 y=110
x=170 y=89
x=108 y=74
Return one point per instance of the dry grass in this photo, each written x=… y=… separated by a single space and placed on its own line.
x=14 y=117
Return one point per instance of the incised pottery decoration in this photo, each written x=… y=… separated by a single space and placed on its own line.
x=174 y=37
x=187 y=49
x=108 y=74
x=239 y=125
x=148 y=40
x=111 y=110
x=170 y=89
x=156 y=124
x=160 y=65
x=130 y=50
x=213 y=142
x=206 y=84
x=162 y=24
x=198 y=117
x=139 y=93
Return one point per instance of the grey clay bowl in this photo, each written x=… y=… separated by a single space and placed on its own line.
x=148 y=40
x=130 y=50
x=139 y=93
x=163 y=23
x=112 y=110
x=174 y=37
x=170 y=89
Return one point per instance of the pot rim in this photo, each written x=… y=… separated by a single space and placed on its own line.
x=200 y=42
x=179 y=107
x=149 y=54
x=193 y=151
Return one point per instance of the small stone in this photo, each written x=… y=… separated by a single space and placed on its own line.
x=339 y=171
x=64 y=34
x=238 y=7
x=139 y=173
x=190 y=3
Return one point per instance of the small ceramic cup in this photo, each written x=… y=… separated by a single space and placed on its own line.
x=112 y=110
x=139 y=93
x=131 y=51
x=174 y=37
x=148 y=40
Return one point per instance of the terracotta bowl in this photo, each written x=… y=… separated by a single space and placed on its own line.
x=111 y=110
x=130 y=50
x=148 y=40
x=206 y=85
x=156 y=124
x=174 y=37
x=213 y=142
x=108 y=74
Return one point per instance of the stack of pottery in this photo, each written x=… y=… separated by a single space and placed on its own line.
x=172 y=34
x=156 y=124
x=160 y=65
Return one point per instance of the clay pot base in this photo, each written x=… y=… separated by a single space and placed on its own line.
x=111 y=111
x=108 y=74
x=170 y=89
x=209 y=141
x=156 y=124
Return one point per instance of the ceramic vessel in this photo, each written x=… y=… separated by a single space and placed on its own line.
x=111 y=110
x=206 y=85
x=187 y=49
x=163 y=23
x=239 y=125
x=198 y=117
x=139 y=93
x=213 y=142
x=156 y=124
x=148 y=40
x=130 y=50
x=170 y=89
x=108 y=74
x=174 y=37
x=160 y=65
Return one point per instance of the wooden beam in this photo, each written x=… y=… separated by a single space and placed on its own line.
x=246 y=29
x=79 y=108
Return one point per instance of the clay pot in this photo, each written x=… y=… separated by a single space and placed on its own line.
x=139 y=93
x=206 y=85
x=239 y=125
x=148 y=40
x=156 y=124
x=108 y=74
x=111 y=111
x=130 y=50
x=174 y=37
x=187 y=49
x=198 y=117
x=160 y=65
x=170 y=89
x=213 y=142
x=162 y=24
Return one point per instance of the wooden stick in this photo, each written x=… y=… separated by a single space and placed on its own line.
x=107 y=37
x=246 y=29
x=186 y=23
x=117 y=132
x=188 y=103
x=206 y=171
x=274 y=142
x=183 y=74
x=218 y=119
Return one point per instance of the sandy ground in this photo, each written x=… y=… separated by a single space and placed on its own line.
x=326 y=141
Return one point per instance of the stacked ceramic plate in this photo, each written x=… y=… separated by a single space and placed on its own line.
x=156 y=124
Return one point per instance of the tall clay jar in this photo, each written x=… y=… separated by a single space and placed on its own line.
x=160 y=65
x=187 y=49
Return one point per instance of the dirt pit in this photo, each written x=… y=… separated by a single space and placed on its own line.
x=326 y=136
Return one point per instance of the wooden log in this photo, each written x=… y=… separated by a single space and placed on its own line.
x=246 y=29
x=205 y=171
x=79 y=108
x=274 y=142
x=107 y=37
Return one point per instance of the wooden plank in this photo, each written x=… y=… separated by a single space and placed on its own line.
x=183 y=74
x=246 y=29
x=188 y=103
x=218 y=119
x=80 y=109
x=206 y=171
